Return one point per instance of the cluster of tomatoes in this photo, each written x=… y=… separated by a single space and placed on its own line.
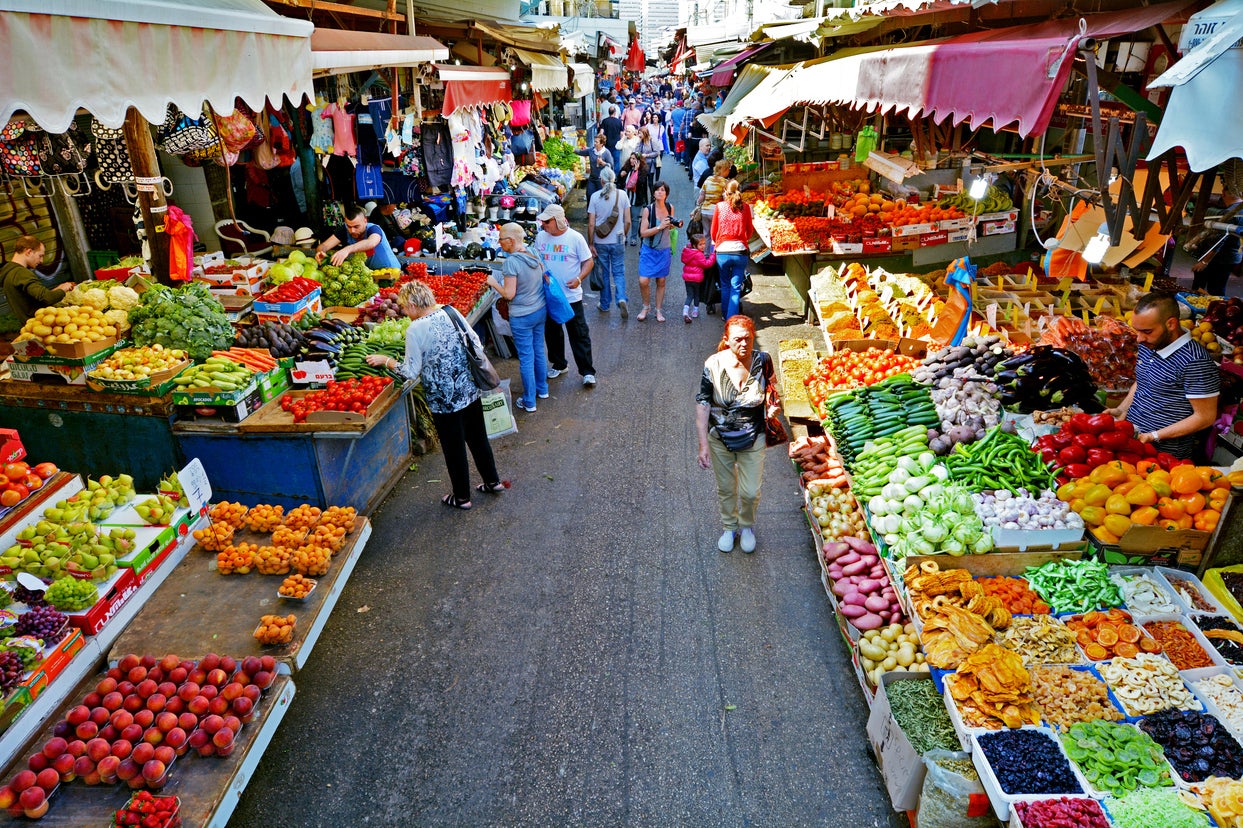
x=20 y=479
x=852 y=369
x=292 y=291
x=460 y=289
x=350 y=395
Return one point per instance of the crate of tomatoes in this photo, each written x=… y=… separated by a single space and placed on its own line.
x=350 y=401
x=857 y=363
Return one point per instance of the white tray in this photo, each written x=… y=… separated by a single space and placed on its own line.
x=1169 y=575
x=998 y=797
x=1190 y=627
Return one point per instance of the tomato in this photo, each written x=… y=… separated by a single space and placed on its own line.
x=16 y=471
x=21 y=490
x=9 y=498
x=32 y=482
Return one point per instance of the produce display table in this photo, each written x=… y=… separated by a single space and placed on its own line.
x=94 y=433
x=267 y=462
x=173 y=621
x=209 y=788
x=88 y=658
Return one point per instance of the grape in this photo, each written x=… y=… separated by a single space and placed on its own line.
x=71 y=594
x=28 y=655
x=41 y=622
x=28 y=597
x=10 y=671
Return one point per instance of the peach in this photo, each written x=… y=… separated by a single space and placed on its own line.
x=146 y=688
x=263 y=679
x=144 y=718
x=153 y=770
x=223 y=738
x=128 y=769
x=166 y=721
x=198 y=705
x=93 y=778
x=122 y=748
x=76 y=748
x=137 y=674
x=112 y=701
x=187 y=722
x=143 y=752
x=252 y=692
x=47 y=779
x=63 y=765
x=62 y=729
x=107 y=769
x=233 y=723
x=219 y=706
x=132 y=733
x=128 y=662
x=133 y=703
x=212 y=724
x=125 y=688
x=251 y=665
x=165 y=754
x=217 y=677
x=153 y=736
x=91 y=700
x=167 y=688
x=32 y=797
x=188 y=691
x=209 y=662
x=97 y=749
x=228 y=664
x=198 y=675
x=8 y=797
x=231 y=691
x=106 y=685
x=38 y=762
x=147 y=661
x=38 y=811
x=268 y=663
x=210 y=691
x=198 y=738
x=175 y=706
x=178 y=674
x=175 y=738
x=78 y=715
x=243 y=707
x=207 y=750
x=83 y=765
x=100 y=715
x=108 y=732
x=156 y=702
x=122 y=719
x=170 y=662
x=86 y=730
x=54 y=747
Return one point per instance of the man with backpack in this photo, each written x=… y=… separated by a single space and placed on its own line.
x=608 y=224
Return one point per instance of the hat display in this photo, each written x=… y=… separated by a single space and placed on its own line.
x=282 y=235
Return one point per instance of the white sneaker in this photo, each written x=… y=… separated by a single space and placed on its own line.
x=746 y=539
x=695 y=312
x=726 y=543
x=553 y=373
x=542 y=396
x=590 y=380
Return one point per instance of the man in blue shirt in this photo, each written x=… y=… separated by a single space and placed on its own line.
x=359 y=236
x=675 y=122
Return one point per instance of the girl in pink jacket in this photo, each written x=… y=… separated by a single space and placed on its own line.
x=695 y=259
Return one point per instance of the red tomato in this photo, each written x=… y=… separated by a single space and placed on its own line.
x=32 y=482
x=46 y=470
x=9 y=498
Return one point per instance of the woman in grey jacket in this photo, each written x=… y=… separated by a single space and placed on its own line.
x=524 y=288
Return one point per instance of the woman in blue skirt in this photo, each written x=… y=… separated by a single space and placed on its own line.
x=656 y=249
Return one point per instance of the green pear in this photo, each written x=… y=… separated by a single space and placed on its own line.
x=92 y=485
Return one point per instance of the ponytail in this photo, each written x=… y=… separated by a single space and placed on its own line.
x=733 y=195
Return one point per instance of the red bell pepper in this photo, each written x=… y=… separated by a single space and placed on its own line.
x=1114 y=441
x=1149 y=450
x=1125 y=427
x=1128 y=457
x=1165 y=461
x=1050 y=455
x=1100 y=423
x=1099 y=457
x=1079 y=423
x=1077 y=470
x=1044 y=441
x=1062 y=439
x=1072 y=454
x=1086 y=441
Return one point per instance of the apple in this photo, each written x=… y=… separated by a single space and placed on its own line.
x=122 y=748
x=54 y=747
x=47 y=779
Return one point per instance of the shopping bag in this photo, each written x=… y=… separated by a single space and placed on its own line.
x=559 y=308
x=498 y=411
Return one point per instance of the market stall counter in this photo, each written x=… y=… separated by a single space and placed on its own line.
x=173 y=620
x=94 y=433
x=270 y=458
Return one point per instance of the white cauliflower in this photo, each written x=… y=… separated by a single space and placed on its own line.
x=119 y=318
x=122 y=298
x=96 y=298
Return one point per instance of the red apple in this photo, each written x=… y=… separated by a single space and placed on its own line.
x=54 y=747
x=122 y=748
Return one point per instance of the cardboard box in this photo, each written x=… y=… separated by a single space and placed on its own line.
x=275 y=382
x=996 y=228
x=1004 y=215
x=225 y=412
x=878 y=245
x=344 y=313
x=165 y=539
x=901 y=767
x=287 y=318
x=65 y=353
x=339 y=417
x=914 y=229
x=902 y=243
x=92 y=620
x=11 y=448
x=954 y=224
x=1155 y=546
x=14 y=706
x=213 y=396
x=172 y=537
x=47 y=374
x=236 y=307
x=953 y=236
x=314 y=372
x=55 y=662
x=933 y=239
x=156 y=385
x=846 y=248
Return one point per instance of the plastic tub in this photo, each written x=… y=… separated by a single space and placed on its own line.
x=1001 y=799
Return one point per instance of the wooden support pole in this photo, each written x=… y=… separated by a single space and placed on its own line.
x=150 y=190
x=72 y=231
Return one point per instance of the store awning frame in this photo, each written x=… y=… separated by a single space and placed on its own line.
x=548 y=73
x=467 y=86
x=584 y=82
x=240 y=49
x=340 y=51
x=723 y=73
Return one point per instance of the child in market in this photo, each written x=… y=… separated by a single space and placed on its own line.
x=695 y=259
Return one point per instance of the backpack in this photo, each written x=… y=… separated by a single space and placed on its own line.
x=604 y=228
x=20 y=142
x=111 y=156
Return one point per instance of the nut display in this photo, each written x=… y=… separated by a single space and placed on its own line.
x=276 y=629
x=1147 y=684
x=296 y=586
x=1066 y=696
x=1040 y=639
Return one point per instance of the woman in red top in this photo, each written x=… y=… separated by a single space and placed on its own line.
x=731 y=230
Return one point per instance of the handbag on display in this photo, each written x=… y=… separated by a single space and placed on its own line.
x=481 y=368
x=64 y=153
x=20 y=142
x=111 y=155
x=180 y=134
x=559 y=309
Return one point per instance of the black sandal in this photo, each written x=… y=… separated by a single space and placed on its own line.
x=452 y=502
x=492 y=488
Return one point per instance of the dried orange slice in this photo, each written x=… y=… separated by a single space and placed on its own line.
x=1149 y=645
x=1126 y=649
x=1128 y=633
x=1096 y=652
x=1106 y=636
x=1093 y=618
x=1084 y=638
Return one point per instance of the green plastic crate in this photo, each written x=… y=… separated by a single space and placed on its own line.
x=101 y=258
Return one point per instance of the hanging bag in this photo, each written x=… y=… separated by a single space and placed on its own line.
x=181 y=134
x=481 y=368
x=19 y=148
x=559 y=309
x=64 y=153
x=111 y=156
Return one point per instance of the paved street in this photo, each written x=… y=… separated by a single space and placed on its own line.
x=576 y=651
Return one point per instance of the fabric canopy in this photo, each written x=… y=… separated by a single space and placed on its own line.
x=548 y=73
x=1209 y=73
x=338 y=51
x=723 y=74
x=956 y=78
x=749 y=78
x=473 y=86
x=108 y=55
x=584 y=80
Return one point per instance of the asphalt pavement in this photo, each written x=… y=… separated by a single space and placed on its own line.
x=576 y=651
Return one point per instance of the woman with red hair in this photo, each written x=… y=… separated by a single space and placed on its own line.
x=729 y=419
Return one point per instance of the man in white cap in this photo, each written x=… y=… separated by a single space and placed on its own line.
x=567 y=258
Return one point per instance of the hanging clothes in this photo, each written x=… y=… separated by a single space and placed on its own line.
x=180 y=230
x=381 y=112
x=321 y=131
x=369 y=151
x=343 y=142
x=437 y=153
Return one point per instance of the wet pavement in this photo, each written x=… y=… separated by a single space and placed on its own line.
x=576 y=651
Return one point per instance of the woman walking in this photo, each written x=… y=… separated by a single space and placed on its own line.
x=626 y=145
x=656 y=251
x=638 y=188
x=523 y=287
x=435 y=354
x=731 y=231
x=713 y=190
x=729 y=419
x=651 y=149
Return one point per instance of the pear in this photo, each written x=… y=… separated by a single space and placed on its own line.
x=92 y=485
x=106 y=480
x=126 y=481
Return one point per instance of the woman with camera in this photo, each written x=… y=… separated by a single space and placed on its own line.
x=656 y=249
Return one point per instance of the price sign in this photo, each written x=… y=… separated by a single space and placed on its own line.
x=990 y=314
x=195 y=484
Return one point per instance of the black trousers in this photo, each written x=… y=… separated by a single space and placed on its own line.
x=457 y=431
x=580 y=341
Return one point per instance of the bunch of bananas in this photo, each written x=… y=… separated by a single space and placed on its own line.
x=995 y=200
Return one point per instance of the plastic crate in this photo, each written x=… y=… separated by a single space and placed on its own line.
x=99 y=259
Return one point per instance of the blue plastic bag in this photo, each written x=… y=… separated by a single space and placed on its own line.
x=559 y=309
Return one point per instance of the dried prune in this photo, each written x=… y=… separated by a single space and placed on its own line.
x=1196 y=744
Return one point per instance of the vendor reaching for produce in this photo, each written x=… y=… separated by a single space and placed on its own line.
x=1176 y=382
x=362 y=237
x=21 y=285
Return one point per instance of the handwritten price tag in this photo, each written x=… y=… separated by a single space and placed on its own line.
x=195 y=484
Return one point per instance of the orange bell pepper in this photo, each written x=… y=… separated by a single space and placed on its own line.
x=1171 y=509
x=1143 y=494
x=1206 y=520
x=1145 y=516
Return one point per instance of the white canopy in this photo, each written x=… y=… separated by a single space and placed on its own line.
x=107 y=55
x=548 y=73
x=1202 y=116
x=584 y=80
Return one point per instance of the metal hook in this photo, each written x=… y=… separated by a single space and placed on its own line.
x=130 y=190
x=39 y=192
x=100 y=182
x=167 y=184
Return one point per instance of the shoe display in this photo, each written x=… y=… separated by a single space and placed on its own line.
x=621 y=307
x=590 y=380
x=726 y=543
x=553 y=373
x=746 y=539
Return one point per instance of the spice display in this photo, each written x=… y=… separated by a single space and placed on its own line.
x=1028 y=762
x=1116 y=758
x=1224 y=800
x=992 y=688
x=1190 y=593
x=1147 y=684
x=1225 y=696
x=1074 y=586
x=1144 y=595
x=1179 y=645
x=920 y=711
x=1065 y=696
x=1149 y=807
x=1196 y=744
x=1224 y=635
x=1111 y=633
x=1040 y=639
x=1063 y=812
x=1015 y=595
x=958 y=617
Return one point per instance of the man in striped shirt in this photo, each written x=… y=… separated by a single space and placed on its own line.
x=1176 y=381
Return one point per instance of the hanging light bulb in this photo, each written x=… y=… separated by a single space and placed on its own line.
x=1094 y=251
x=979 y=188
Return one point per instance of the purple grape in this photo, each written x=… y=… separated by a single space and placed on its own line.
x=41 y=622
x=10 y=671
x=28 y=597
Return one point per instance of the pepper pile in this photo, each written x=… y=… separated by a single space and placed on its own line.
x=1087 y=441
x=294 y=290
x=999 y=461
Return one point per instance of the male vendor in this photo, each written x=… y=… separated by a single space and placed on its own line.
x=362 y=237
x=1176 y=381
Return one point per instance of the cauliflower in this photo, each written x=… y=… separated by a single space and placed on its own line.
x=122 y=298
x=119 y=318
x=96 y=298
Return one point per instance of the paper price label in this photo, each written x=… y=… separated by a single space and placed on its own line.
x=195 y=484
x=990 y=314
